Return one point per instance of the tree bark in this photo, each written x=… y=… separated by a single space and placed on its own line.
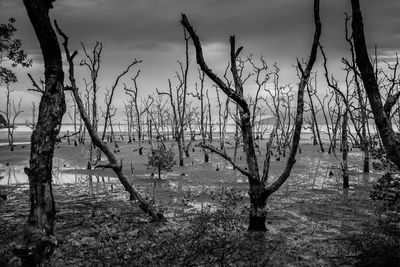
x=52 y=107
x=258 y=204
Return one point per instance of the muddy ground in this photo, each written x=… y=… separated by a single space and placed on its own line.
x=311 y=220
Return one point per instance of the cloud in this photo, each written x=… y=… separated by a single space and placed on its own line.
x=280 y=30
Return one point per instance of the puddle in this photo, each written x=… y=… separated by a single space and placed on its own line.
x=202 y=181
x=16 y=143
x=15 y=175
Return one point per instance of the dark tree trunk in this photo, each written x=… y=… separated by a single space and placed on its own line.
x=257 y=208
x=51 y=110
x=180 y=148
x=383 y=123
x=187 y=152
x=315 y=123
x=345 y=149
x=206 y=157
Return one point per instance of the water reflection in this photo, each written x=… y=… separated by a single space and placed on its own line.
x=93 y=184
x=10 y=175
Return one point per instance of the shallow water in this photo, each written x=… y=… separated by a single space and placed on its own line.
x=197 y=181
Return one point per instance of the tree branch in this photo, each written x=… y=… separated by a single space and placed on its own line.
x=229 y=159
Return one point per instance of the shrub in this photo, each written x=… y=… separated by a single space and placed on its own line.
x=161 y=159
x=387 y=189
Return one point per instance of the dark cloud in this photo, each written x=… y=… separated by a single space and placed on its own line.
x=150 y=30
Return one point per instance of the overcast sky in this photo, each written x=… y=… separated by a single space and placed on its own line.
x=280 y=30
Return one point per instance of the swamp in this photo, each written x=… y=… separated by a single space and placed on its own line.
x=199 y=133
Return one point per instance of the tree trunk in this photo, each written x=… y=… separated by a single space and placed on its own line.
x=257 y=207
x=315 y=122
x=345 y=150
x=40 y=226
x=180 y=148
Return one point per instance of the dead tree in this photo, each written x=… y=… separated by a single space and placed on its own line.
x=390 y=140
x=200 y=96
x=11 y=113
x=31 y=124
x=144 y=203
x=345 y=148
x=40 y=225
x=178 y=102
x=93 y=64
x=258 y=191
x=210 y=123
x=147 y=103
x=128 y=110
x=192 y=121
x=107 y=116
x=280 y=106
x=156 y=114
x=261 y=79
x=111 y=96
x=182 y=100
x=362 y=100
x=133 y=93
x=74 y=119
x=311 y=91
x=176 y=108
x=223 y=114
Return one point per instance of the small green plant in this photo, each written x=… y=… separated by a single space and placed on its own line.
x=161 y=159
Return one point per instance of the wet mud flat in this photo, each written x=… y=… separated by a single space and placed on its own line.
x=311 y=221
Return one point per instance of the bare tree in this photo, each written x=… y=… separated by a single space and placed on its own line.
x=280 y=105
x=200 y=96
x=147 y=103
x=178 y=102
x=192 y=122
x=390 y=140
x=93 y=64
x=74 y=119
x=258 y=191
x=111 y=95
x=311 y=91
x=209 y=120
x=11 y=113
x=128 y=110
x=323 y=104
x=362 y=100
x=113 y=164
x=261 y=78
x=31 y=124
x=176 y=108
x=133 y=93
